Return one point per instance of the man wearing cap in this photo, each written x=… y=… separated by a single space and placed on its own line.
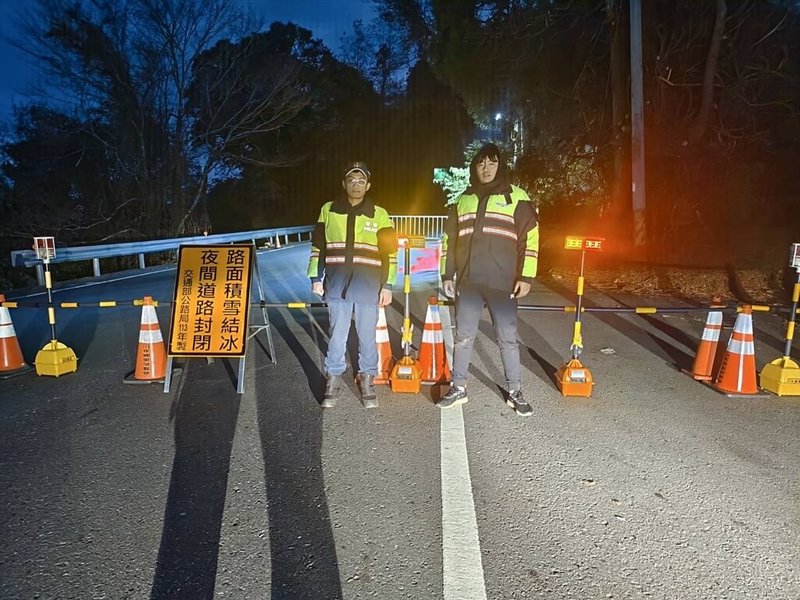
x=353 y=266
x=491 y=250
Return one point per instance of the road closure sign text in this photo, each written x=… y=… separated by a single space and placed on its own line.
x=211 y=301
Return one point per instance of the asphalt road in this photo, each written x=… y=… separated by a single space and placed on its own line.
x=655 y=487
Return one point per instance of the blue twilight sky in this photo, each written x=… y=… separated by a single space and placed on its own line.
x=328 y=19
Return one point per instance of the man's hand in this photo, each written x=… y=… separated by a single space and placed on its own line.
x=386 y=297
x=521 y=289
x=317 y=288
x=449 y=288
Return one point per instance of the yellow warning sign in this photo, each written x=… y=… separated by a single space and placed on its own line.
x=211 y=301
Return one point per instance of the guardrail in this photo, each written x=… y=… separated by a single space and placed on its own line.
x=28 y=258
x=430 y=226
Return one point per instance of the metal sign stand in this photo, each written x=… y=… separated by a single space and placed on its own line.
x=252 y=329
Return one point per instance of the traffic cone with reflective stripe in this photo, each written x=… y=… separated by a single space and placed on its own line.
x=151 y=356
x=737 y=375
x=385 y=361
x=707 y=349
x=432 y=355
x=11 y=361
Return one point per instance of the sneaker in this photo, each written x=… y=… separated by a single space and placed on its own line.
x=517 y=401
x=455 y=396
x=368 y=397
x=332 y=391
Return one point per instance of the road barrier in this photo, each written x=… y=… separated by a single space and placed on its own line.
x=703 y=369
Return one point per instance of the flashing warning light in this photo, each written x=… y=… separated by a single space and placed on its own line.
x=794 y=257
x=45 y=247
x=589 y=244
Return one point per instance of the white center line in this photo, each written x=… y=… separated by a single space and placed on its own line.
x=462 y=565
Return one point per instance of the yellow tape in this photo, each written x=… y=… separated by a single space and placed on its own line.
x=790 y=330
x=106 y=303
x=69 y=305
x=576 y=335
x=47 y=281
x=796 y=293
x=646 y=310
x=8 y=304
x=407 y=284
x=406 y=331
x=760 y=308
x=580 y=286
x=51 y=315
x=296 y=305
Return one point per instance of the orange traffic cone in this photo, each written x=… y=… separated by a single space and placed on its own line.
x=737 y=375
x=385 y=362
x=707 y=349
x=11 y=361
x=151 y=356
x=432 y=355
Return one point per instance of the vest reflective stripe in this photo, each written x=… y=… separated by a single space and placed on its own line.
x=500 y=217
x=500 y=232
x=361 y=260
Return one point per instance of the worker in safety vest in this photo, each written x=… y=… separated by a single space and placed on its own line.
x=353 y=267
x=490 y=255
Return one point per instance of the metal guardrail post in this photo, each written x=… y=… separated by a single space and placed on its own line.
x=96 y=266
x=141 y=261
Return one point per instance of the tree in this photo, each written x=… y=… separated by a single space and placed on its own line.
x=138 y=78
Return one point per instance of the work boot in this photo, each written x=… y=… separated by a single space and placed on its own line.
x=332 y=391
x=454 y=397
x=368 y=398
x=517 y=401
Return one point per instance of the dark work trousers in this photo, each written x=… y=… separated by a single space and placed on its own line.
x=470 y=301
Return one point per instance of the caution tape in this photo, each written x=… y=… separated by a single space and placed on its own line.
x=644 y=310
x=640 y=310
x=140 y=302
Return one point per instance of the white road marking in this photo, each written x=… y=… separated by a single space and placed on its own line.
x=462 y=565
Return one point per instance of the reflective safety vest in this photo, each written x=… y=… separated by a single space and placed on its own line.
x=492 y=241
x=353 y=251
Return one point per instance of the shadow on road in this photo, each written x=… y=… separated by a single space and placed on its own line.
x=205 y=423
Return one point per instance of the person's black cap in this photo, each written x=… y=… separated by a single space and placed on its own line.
x=357 y=166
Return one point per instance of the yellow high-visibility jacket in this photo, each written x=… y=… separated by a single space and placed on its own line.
x=353 y=251
x=492 y=241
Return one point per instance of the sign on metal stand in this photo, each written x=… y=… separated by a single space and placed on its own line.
x=210 y=305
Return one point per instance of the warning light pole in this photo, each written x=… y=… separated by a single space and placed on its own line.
x=55 y=358
x=782 y=375
x=572 y=378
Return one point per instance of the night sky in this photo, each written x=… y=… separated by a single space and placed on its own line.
x=328 y=19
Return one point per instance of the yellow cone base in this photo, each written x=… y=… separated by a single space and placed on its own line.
x=406 y=376
x=55 y=359
x=781 y=377
x=573 y=379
